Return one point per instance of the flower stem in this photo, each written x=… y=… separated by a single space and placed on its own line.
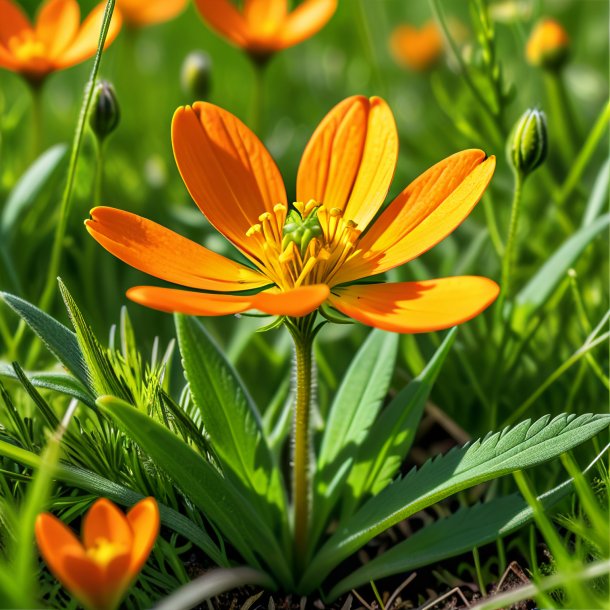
x=36 y=90
x=58 y=241
x=256 y=107
x=510 y=251
x=303 y=334
x=60 y=231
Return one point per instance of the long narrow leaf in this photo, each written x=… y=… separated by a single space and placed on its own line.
x=392 y=435
x=99 y=485
x=351 y=415
x=214 y=495
x=231 y=420
x=60 y=341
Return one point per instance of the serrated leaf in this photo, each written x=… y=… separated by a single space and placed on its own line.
x=542 y=285
x=99 y=485
x=60 y=341
x=469 y=527
x=445 y=475
x=231 y=420
x=391 y=436
x=36 y=181
x=212 y=493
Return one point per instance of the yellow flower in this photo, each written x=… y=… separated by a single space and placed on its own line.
x=316 y=252
x=548 y=45
x=56 y=40
x=99 y=570
x=417 y=49
x=266 y=26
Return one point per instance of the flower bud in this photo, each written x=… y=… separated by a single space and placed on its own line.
x=548 y=46
x=528 y=142
x=105 y=114
x=195 y=75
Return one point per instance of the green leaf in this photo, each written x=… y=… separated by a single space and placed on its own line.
x=351 y=415
x=522 y=446
x=102 y=377
x=599 y=195
x=231 y=420
x=458 y=533
x=214 y=495
x=33 y=184
x=542 y=285
x=60 y=341
x=392 y=435
x=99 y=485
x=58 y=382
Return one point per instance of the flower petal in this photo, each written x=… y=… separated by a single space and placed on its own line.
x=228 y=172
x=13 y=21
x=265 y=17
x=87 y=581
x=350 y=160
x=223 y=17
x=54 y=538
x=84 y=44
x=57 y=24
x=307 y=19
x=428 y=210
x=295 y=303
x=140 y=13
x=153 y=249
x=144 y=521
x=416 y=307
x=106 y=521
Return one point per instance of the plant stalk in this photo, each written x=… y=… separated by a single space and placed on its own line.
x=559 y=107
x=302 y=335
x=510 y=251
x=256 y=108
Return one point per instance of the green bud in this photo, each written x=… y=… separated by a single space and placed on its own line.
x=528 y=143
x=105 y=115
x=195 y=75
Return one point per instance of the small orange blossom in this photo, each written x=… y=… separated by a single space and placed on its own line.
x=417 y=49
x=317 y=252
x=140 y=13
x=56 y=40
x=548 y=45
x=114 y=548
x=266 y=26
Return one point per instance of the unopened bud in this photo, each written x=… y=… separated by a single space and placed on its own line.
x=528 y=142
x=105 y=114
x=548 y=46
x=195 y=75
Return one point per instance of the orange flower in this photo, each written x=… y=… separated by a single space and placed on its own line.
x=140 y=13
x=417 y=49
x=316 y=253
x=266 y=26
x=57 y=39
x=115 y=546
x=548 y=45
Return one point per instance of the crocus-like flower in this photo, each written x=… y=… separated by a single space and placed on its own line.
x=317 y=252
x=56 y=40
x=417 y=49
x=266 y=26
x=140 y=13
x=548 y=45
x=99 y=570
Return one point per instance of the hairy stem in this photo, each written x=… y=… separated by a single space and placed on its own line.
x=302 y=333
